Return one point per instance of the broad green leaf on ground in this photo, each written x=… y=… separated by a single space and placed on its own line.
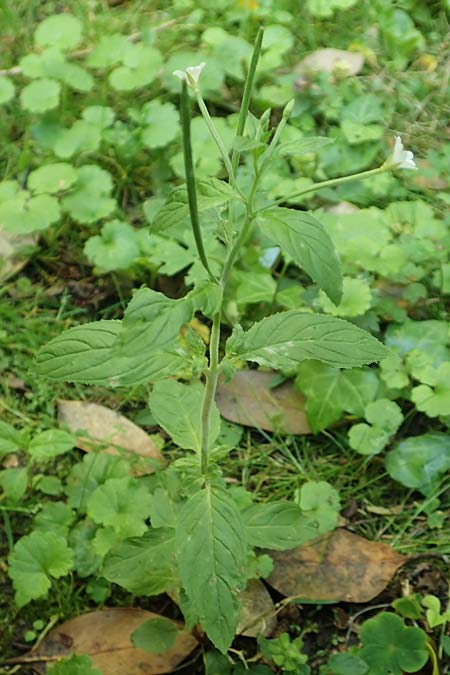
x=419 y=461
x=211 y=540
x=74 y=665
x=356 y=299
x=140 y=66
x=344 y=664
x=155 y=636
x=277 y=526
x=87 y=475
x=81 y=137
x=60 y=30
x=391 y=647
x=393 y=372
x=249 y=399
x=307 y=242
x=14 y=483
x=329 y=392
x=90 y=199
x=100 y=428
x=51 y=443
x=7 y=90
x=143 y=565
x=105 y=637
x=284 y=340
x=116 y=248
x=431 y=337
x=54 y=517
x=121 y=503
x=433 y=396
x=23 y=214
x=40 y=95
x=101 y=116
x=9 y=439
x=385 y=414
x=52 y=178
x=160 y=124
x=336 y=567
x=35 y=560
x=85 y=560
x=384 y=418
x=367 y=439
x=254 y=287
x=108 y=51
x=320 y=505
x=177 y=407
x=434 y=613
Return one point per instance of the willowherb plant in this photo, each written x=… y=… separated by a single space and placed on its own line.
x=200 y=545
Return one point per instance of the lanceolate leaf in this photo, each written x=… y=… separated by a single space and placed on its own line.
x=143 y=565
x=305 y=239
x=286 y=339
x=211 y=551
x=185 y=400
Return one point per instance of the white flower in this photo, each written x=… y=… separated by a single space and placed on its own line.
x=401 y=158
x=191 y=75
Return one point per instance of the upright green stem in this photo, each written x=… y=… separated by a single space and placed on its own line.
x=185 y=110
x=246 y=96
x=210 y=390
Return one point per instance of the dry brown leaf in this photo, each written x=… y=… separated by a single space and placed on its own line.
x=12 y=258
x=105 y=637
x=98 y=427
x=256 y=602
x=331 y=60
x=337 y=567
x=249 y=400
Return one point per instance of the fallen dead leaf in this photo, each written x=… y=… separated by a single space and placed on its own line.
x=105 y=637
x=100 y=428
x=13 y=252
x=339 y=567
x=256 y=602
x=249 y=400
x=332 y=60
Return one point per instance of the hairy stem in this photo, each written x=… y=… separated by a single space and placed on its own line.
x=210 y=389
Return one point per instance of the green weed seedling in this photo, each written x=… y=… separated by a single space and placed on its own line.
x=200 y=545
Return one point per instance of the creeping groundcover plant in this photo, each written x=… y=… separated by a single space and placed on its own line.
x=201 y=544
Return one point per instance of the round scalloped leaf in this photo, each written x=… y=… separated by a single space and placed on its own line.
x=6 y=90
x=90 y=199
x=116 y=248
x=163 y=125
x=40 y=95
x=60 y=30
x=80 y=137
x=109 y=50
x=52 y=178
x=367 y=440
x=141 y=65
x=392 y=647
x=356 y=299
x=101 y=116
x=22 y=215
x=76 y=77
x=419 y=461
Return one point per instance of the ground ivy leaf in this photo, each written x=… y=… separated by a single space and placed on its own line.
x=330 y=392
x=108 y=51
x=430 y=336
x=433 y=397
x=356 y=299
x=89 y=201
x=87 y=475
x=14 y=483
x=419 y=461
x=35 y=560
x=59 y=30
x=155 y=636
x=25 y=215
x=286 y=339
x=320 y=504
x=120 y=503
x=52 y=178
x=54 y=517
x=40 y=95
x=141 y=65
x=212 y=550
x=116 y=248
x=185 y=427
x=391 y=647
x=75 y=665
x=143 y=565
x=307 y=242
x=161 y=124
x=6 y=90
x=366 y=439
x=385 y=414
